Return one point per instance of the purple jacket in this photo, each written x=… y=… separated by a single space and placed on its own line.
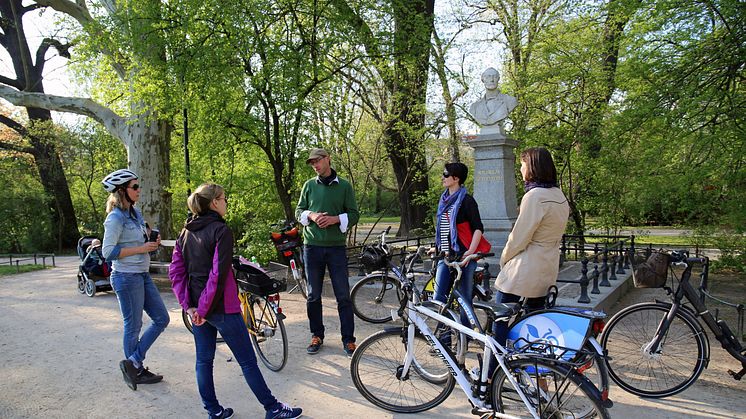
x=201 y=270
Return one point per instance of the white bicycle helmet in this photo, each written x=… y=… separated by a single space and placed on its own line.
x=117 y=178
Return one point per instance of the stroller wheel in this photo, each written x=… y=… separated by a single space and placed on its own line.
x=81 y=284
x=90 y=288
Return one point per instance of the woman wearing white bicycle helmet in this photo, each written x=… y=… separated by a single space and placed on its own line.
x=126 y=245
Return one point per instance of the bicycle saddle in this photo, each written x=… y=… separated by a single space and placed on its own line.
x=499 y=309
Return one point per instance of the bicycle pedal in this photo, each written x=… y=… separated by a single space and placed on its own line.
x=737 y=375
x=483 y=413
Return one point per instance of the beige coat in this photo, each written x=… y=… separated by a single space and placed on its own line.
x=530 y=260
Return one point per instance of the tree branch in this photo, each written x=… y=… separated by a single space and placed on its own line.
x=115 y=124
x=62 y=49
x=20 y=129
x=11 y=82
x=79 y=11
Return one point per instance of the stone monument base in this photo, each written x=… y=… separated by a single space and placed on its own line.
x=494 y=185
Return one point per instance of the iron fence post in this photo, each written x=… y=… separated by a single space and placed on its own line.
x=584 y=298
x=595 y=289
x=605 y=269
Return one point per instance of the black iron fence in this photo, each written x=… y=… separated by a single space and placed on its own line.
x=603 y=258
x=610 y=252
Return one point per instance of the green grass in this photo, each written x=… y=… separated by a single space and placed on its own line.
x=11 y=270
x=370 y=219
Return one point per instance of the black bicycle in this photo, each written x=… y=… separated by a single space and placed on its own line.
x=658 y=349
x=379 y=292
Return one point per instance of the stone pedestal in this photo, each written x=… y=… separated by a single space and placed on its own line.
x=494 y=185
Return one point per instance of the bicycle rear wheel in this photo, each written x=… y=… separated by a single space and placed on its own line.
x=267 y=332
x=374 y=296
x=376 y=369
x=188 y=323
x=670 y=370
x=553 y=390
x=299 y=274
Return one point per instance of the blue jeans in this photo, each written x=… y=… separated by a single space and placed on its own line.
x=234 y=332
x=137 y=292
x=500 y=328
x=444 y=283
x=317 y=259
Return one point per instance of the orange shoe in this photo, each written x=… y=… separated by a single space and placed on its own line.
x=350 y=348
x=315 y=345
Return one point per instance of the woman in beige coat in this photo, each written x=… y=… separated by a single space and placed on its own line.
x=530 y=260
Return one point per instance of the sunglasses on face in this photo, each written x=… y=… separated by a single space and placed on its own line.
x=446 y=174
x=135 y=187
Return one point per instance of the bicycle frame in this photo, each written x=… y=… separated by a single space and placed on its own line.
x=248 y=315
x=719 y=328
x=416 y=322
x=492 y=349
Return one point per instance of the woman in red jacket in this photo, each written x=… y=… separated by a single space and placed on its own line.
x=458 y=231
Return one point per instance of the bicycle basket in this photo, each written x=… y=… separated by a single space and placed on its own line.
x=373 y=258
x=259 y=281
x=286 y=240
x=650 y=271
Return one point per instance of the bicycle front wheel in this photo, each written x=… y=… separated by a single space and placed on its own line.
x=267 y=333
x=453 y=340
x=374 y=296
x=673 y=367
x=553 y=390
x=377 y=372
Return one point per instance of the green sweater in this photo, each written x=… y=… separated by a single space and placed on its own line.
x=335 y=199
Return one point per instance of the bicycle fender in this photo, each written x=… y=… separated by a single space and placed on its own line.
x=378 y=274
x=588 y=386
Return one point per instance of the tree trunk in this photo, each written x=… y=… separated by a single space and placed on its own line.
x=405 y=142
x=405 y=76
x=408 y=162
x=53 y=180
x=148 y=155
x=29 y=78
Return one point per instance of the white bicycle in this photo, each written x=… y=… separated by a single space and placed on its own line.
x=410 y=369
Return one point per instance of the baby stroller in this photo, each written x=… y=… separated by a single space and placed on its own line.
x=94 y=270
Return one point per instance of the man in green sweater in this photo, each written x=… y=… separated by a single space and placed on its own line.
x=327 y=208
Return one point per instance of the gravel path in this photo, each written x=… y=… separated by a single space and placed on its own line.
x=59 y=355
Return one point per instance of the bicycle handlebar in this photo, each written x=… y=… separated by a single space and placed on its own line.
x=682 y=256
x=453 y=263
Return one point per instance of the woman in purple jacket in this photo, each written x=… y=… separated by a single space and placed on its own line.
x=202 y=278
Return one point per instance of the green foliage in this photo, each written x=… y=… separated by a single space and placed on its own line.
x=89 y=153
x=24 y=226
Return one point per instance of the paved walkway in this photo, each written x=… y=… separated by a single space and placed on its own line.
x=59 y=353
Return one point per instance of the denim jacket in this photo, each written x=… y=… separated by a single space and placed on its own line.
x=122 y=229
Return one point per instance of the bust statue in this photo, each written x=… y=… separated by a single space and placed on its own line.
x=492 y=108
